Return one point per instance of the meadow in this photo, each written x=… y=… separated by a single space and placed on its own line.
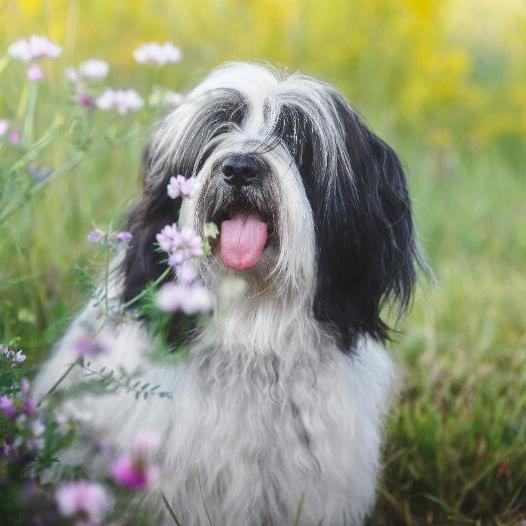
x=444 y=84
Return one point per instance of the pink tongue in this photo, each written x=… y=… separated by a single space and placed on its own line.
x=243 y=240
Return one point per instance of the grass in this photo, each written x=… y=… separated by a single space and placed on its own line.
x=456 y=439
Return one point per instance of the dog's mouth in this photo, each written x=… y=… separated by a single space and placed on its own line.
x=244 y=233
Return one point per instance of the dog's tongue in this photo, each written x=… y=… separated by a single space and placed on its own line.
x=243 y=240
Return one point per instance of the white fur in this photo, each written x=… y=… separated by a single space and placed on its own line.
x=266 y=410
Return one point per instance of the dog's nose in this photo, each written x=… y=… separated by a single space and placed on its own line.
x=241 y=169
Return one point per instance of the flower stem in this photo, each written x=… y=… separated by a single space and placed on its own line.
x=145 y=291
x=55 y=386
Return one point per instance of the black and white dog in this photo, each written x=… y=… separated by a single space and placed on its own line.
x=284 y=392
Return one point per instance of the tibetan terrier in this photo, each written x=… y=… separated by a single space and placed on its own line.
x=277 y=411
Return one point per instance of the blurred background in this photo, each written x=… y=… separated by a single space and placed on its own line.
x=445 y=84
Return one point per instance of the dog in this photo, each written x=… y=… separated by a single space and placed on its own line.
x=276 y=415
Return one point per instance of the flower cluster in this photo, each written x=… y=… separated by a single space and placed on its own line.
x=33 y=49
x=133 y=471
x=180 y=186
x=84 y=500
x=99 y=237
x=92 y=69
x=123 y=101
x=160 y=54
x=20 y=405
x=163 y=97
x=15 y=357
x=180 y=245
x=188 y=298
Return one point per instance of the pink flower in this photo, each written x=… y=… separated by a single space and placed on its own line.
x=186 y=273
x=19 y=405
x=132 y=473
x=160 y=54
x=143 y=443
x=190 y=299
x=123 y=101
x=93 y=345
x=15 y=357
x=35 y=74
x=34 y=48
x=180 y=245
x=181 y=186
x=84 y=500
x=14 y=137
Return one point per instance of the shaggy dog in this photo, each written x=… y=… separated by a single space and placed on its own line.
x=279 y=405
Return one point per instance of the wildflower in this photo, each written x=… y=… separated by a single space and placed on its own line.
x=123 y=237
x=35 y=47
x=95 y=236
x=4 y=126
x=186 y=273
x=93 y=345
x=85 y=99
x=123 y=101
x=132 y=471
x=180 y=245
x=180 y=186
x=21 y=405
x=83 y=499
x=94 y=69
x=38 y=174
x=190 y=299
x=14 y=137
x=15 y=357
x=160 y=54
x=35 y=73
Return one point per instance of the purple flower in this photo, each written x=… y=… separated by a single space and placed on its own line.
x=34 y=48
x=186 y=273
x=179 y=244
x=159 y=54
x=95 y=236
x=167 y=237
x=143 y=443
x=7 y=406
x=181 y=186
x=15 y=357
x=35 y=73
x=123 y=237
x=85 y=99
x=190 y=299
x=132 y=473
x=123 y=101
x=93 y=345
x=83 y=499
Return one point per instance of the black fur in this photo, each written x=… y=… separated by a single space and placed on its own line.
x=362 y=213
x=365 y=240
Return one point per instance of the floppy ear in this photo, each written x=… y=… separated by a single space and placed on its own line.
x=365 y=234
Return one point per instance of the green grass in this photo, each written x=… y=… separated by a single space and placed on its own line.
x=456 y=438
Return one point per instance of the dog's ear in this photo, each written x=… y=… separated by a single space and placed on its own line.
x=365 y=233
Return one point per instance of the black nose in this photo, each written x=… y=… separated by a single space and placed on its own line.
x=241 y=169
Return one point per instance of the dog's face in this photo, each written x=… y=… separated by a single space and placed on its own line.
x=309 y=202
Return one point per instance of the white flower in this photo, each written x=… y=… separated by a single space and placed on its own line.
x=163 y=97
x=160 y=54
x=123 y=101
x=4 y=126
x=190 y=299
x=34 y=48
x=35 y=74
x=94 y=69
x=72 y=75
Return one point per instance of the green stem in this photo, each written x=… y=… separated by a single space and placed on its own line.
x=55 y=386
x=165 y=274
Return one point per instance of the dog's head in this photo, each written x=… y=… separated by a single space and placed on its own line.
x=308 y=200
